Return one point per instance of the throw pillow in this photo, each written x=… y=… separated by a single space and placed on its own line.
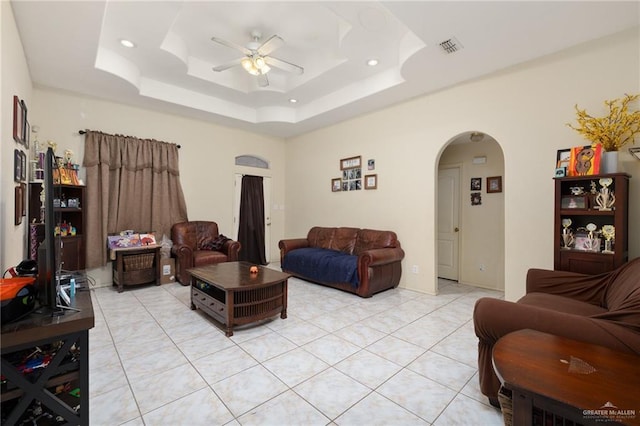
x=217 y=243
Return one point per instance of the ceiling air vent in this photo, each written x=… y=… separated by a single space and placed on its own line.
x=451 y=45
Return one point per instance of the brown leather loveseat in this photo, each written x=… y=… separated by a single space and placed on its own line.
x=601 y=309
x=198 y=243
x=360 y=261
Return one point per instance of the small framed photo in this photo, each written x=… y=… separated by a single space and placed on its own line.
x=23 y=166
x=494 y=184
x=579 y=202
x=371 y=164
x=561 y=172
x=17 y=165
x=476 y=184
x=371 y=181
x=19 y=197
x=351 y=163
x=18 y=120
x=563 y=157
x=476 y=198
x=336 y=185
x=27 y=133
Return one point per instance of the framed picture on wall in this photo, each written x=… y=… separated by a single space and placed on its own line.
x=18 y=121
x=19 y=197
x=17 y=165
x=370 y=181
x=336 y=185
x=494 y=184
x=476 y=184
x=351 y=163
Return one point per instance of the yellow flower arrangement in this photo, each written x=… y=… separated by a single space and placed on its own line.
x=614 y=130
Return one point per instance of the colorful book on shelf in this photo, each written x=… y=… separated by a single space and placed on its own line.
x=147 y=239
x=124 y=241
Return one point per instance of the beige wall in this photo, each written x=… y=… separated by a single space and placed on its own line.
x=14 y=81
x=481 y=259
x=524 y=108
x=207 y=156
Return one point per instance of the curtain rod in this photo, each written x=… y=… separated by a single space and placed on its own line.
x=82 y=132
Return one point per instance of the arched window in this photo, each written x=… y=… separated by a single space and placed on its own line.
x=251 y=161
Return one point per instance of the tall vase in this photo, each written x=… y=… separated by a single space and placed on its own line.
x=609 y=162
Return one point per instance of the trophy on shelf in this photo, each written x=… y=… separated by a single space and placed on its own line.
x=592 y=243
x=567 y=234
x=609 y=233
x=605 y=198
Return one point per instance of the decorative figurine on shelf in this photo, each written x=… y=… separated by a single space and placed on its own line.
x=567 y=234
x=577 y=190
x=592 y=243
x=605 y=198
x=609 y=233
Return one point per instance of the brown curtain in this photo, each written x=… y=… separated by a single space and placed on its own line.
x=131 y=184
x=251 y=226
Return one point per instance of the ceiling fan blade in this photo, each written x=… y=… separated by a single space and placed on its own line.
x=228 y=65
x=263 y=80
x=231 y=45
x=284 y=65
x=273 y=43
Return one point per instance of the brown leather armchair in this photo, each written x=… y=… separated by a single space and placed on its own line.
x=198 y=243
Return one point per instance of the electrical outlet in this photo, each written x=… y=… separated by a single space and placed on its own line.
x=415 y=269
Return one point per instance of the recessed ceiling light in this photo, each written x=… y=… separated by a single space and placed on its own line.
x=372 y=62
x=127 y=43
x=293 y=101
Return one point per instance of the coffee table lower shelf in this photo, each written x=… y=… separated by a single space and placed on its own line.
x=239 y=307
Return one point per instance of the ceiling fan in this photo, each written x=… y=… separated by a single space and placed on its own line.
x=257 y=60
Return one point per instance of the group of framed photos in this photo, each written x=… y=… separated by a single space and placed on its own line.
x=494 y=185
x=21 y=134
x=578 y=161
x=352 y=179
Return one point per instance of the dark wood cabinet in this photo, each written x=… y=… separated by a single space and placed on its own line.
x=579 y=218
x=69 y=214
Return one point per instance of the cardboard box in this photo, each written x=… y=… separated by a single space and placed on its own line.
x=167 y=271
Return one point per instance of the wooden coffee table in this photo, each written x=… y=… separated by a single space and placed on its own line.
x=582 y=382
x=232 y=295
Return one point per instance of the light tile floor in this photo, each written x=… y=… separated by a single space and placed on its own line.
x=398 y=358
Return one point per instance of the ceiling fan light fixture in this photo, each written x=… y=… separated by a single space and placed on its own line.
x=372 y=62
x=127 y=43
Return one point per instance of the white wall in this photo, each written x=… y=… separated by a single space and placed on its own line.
x=524 y=108
x=481 y=260
x=207 y=156
x=15 y=80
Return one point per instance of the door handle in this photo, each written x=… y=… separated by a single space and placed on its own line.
x=456 y=229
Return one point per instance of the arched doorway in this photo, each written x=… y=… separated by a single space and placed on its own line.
x=469 y=213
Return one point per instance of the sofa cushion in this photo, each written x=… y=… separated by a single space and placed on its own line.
x=320 y=237
x=344 y=240
x=623 y=289
x=323 y=265
x=561 y=304
x=368 y=239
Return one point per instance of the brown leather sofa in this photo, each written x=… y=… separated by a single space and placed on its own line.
x=376 y=255
x=601 y=309
x=198 y=243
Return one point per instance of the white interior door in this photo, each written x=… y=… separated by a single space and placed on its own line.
x=448 y=222
x=266 y=188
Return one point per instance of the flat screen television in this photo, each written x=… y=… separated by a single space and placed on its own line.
x=47 y=253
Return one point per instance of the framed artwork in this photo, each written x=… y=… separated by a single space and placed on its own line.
x=585 y=160
x=476 y=184
x=336 y=185
x=562 y=158
x=371 y=164
x=371 y=181
x=23 y=166
x=24 y=198
x=19 y=196
x=351 y=163
x=476 y=198
x=17 y=165
x=24 y=122
x=494 y=184
x=18 y=120
x=561 y=172
x=27 y=133
x=352 y=179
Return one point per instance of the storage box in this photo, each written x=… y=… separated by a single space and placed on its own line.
x=167 y=271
